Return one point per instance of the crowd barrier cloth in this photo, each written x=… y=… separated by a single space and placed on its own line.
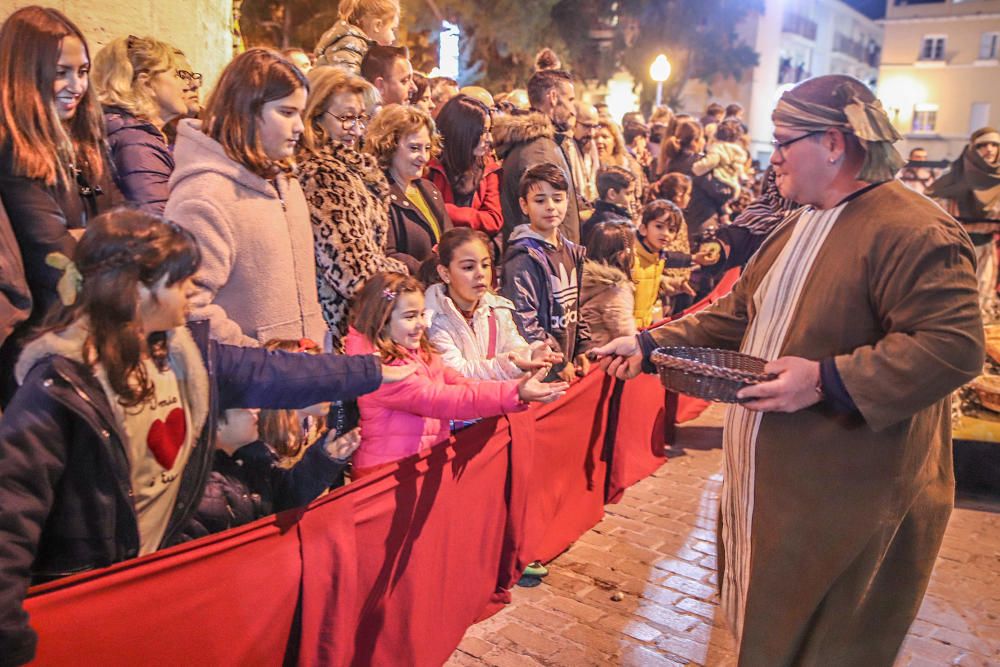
x=388 y=570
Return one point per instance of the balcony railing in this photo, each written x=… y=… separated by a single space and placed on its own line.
x=797 y=24
x=849 y=47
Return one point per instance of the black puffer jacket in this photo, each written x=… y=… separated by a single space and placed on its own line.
x=250 y=485
x=143 y=161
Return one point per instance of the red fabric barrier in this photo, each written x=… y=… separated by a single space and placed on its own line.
x=567 y=472
x=422 y=541
x=389 y=570
x=639 y=435
x=228 y=599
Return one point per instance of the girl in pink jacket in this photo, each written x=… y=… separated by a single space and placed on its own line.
x=402 y=419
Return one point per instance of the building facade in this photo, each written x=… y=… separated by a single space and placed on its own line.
x=940 y=72
x=794 y=40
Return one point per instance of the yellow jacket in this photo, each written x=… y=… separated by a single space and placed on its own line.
x=646 y=272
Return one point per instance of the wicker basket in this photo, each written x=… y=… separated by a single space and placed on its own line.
x=702 y=372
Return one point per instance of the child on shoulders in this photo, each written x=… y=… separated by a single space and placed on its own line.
x=542 y=270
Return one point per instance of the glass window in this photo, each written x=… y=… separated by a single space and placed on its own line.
x=932 y=47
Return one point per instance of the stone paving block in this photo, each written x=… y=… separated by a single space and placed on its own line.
x=535 y=641
x=577 y=610
x=639 y=656
x=475 y=647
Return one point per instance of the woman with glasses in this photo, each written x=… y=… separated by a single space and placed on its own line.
x=347 y=193
x=466 y=172
x=140 y=86
x=54 y=171
x=403 y=138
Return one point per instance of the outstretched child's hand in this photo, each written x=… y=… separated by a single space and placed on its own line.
x=392 y=374
x=344 y=446
x=582 y=365
x=531 y=388
x=568 y=373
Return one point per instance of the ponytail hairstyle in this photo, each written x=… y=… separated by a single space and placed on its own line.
x=356 y=11
x=121 y=250
x=462 y=122
x=684 y=136
x=42 y=146
x=117 y=68
x=547 y=59
x=672 y=186
x=282 y=429
x=233 y=111
x=372 y=308
x=612 y=244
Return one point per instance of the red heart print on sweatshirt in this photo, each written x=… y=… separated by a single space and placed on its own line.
x=166 y=438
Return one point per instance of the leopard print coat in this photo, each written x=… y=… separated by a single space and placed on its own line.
x=349 y=207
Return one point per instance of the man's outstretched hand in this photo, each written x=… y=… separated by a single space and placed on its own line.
x=621 y=358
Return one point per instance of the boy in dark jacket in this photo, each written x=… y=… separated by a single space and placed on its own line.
x=616 y=203
x=247 y=483
x=542 y=269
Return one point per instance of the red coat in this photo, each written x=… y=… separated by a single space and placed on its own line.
x=485 y=214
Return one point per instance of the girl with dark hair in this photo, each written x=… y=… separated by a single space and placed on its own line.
x=607 y=294
x=466 y=173
x=388 y=319
x=108 y=442
x=472 y=327
x=54 y=173
x=233 y=189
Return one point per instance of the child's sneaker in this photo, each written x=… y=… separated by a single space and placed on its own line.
x=536 y=569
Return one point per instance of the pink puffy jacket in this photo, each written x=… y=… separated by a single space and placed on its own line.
x=401 y=419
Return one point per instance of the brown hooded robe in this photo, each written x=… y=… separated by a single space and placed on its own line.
x=849 y=510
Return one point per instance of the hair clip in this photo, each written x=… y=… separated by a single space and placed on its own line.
x=388 y=294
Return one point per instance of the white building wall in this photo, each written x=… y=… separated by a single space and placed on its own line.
x=199 y=28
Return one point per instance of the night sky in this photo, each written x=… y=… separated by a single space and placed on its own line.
x=873 y=8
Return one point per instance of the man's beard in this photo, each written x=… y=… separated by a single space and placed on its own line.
x=561 y=125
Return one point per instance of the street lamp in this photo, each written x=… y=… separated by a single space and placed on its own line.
x=659 y=71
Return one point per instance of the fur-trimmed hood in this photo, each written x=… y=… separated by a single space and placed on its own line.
x=185 y=360
x=511 y=131
x=598 y=274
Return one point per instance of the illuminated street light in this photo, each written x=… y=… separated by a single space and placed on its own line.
x=659 y=71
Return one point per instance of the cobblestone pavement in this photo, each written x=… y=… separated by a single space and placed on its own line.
x=639 y=589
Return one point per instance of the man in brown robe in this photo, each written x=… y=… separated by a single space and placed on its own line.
x=838 y=479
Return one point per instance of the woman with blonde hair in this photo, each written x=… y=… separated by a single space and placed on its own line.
x=139 y=84
x=346 y=192
x=233 y=190
x=403 y=139
x=612 y=152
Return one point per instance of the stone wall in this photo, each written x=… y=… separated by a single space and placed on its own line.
x=200 y=28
